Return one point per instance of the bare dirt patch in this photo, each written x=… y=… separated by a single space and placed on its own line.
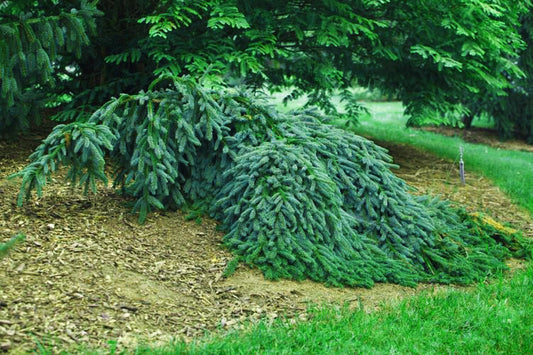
x=88 y=273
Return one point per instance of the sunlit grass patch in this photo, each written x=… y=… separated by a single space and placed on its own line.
x=493 y=318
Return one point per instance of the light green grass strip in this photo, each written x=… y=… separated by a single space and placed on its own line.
x=495 y=318
x=511 y=170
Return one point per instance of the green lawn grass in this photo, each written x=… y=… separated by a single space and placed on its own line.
x=494 y=318
x=511 y=170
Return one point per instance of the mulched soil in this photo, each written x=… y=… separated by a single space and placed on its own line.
x=88 y=273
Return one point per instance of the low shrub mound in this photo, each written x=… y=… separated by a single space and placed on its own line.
x=297 y=197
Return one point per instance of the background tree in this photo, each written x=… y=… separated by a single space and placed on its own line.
x=38 y=40
x=297 y=197
x=513 y=112
x=431 y=54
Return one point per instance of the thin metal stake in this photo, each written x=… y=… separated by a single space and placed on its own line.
x=461 y=166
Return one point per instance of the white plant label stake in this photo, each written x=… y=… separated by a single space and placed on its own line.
x=461 y=166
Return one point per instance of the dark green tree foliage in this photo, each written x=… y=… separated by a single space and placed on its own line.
x=511 y=109
x=297 y=197
x=513 y=113
x=429 y=53
x=32 y=46
x=432 y=54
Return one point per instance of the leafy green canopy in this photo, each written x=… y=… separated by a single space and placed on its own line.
x=513 y=113
x=512 y=110
x=430 y=53
x=297 y=197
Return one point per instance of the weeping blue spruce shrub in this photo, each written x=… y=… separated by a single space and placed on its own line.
x=297 y=197
x=317 y=202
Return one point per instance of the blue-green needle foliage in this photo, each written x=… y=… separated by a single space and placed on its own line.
x=81 y=146
x=297 y=197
